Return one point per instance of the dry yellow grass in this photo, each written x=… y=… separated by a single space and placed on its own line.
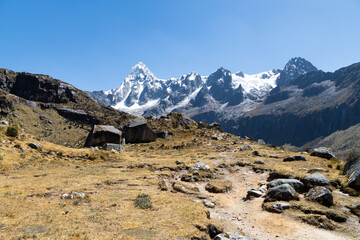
x=32 y=181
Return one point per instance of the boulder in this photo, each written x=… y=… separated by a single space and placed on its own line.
x=256 y=153
x=260 y=141
x=113 y=147
x=352 y=170
x=4 y=122
x=232 y=236
x=201 y=166
x=295 y=158
x=296 y=184
x=316 y=179
x=42 y=117
x=321 y=195
x=283 y=192
x=323 y=152
x=245 y=147
x=258 y=161
x=34 y=145
x=103 y=134
x=213 y=230
x=137 y=131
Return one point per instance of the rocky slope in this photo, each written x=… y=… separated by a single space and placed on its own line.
x=52 y=109
x=312 y=106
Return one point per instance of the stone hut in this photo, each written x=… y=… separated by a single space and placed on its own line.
x=102 y=135
x=137 y=131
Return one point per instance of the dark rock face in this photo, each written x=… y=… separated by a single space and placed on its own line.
x=323 y=152
x=102 y=134
x=296 y=184
x=42 y=88
x=77 y=115
x=296 y=111
x=137 y=131
x=321 y=195
x=283 y=192
x=352 y=170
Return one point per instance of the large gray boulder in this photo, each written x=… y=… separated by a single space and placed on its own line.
x=323 y=152
x=296 y=184
x=283 y=192
x=321 y=195
x=352 y=170
x=102 y=134
x=316 y=179
x=137 y=131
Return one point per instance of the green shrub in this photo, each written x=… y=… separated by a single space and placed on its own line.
x=143 y=201
x=12 y=131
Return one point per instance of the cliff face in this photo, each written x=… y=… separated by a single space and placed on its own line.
x=311 y=106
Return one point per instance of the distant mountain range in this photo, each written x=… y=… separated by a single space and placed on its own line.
x=143 y=94
x=296 y=105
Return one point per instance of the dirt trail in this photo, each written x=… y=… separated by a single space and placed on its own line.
x=248 y=217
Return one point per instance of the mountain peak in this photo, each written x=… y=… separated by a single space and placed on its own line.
x=140 y=71
x=294 y=68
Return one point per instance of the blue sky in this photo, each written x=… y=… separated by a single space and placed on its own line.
x=93 y=44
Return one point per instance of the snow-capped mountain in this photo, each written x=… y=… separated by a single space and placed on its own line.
x=222 y=92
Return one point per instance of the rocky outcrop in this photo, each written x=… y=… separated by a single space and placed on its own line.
x=137 y=131
x=352 y=170
x=323 y=152
x=78 y=115
x=101 y=134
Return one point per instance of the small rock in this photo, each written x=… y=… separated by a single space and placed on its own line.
x=316 y=179
x=34 y=145
x=321 y=195
x=281 y=206
x=232 y=236
x=260 y=141
x=284 y=192
x=258 y=161
x=4 y=122
x=256 y=153
x=15 y=115
x=73 y=195
x=208 y=204
x=253 y=193
x=323 y=152
x=42 y=117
